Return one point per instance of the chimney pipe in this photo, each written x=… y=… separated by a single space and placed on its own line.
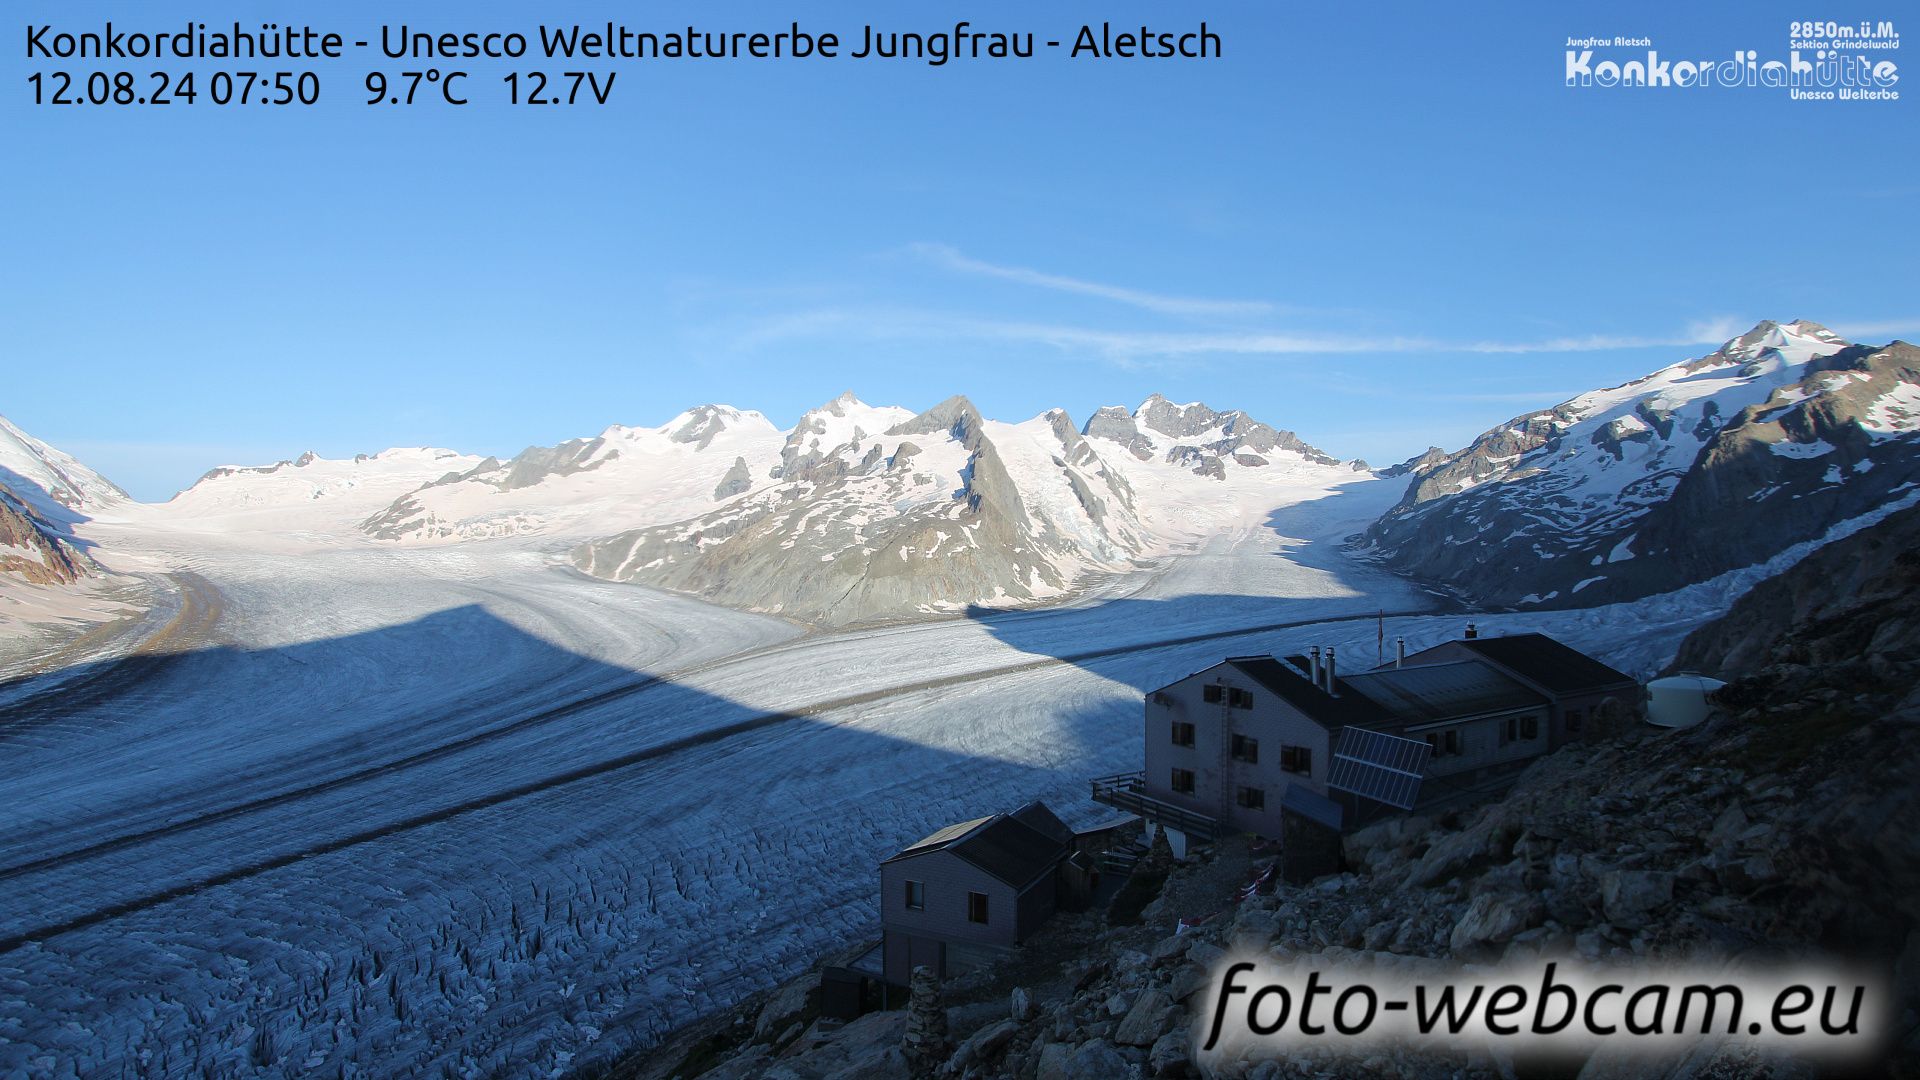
x=1313 y=661
x=1399 y=652
x=1331 y=685
x=1472 y=632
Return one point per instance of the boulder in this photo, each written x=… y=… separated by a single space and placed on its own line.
x=788 y=1004
x=1188 y=981
x=1450 y=854
x=982 y=1045
x=1149 y=1019
x=1630 y=897
x=1020 y=1004
x=1727 y=827
x=1053 y=1061
x=1171 y=1055
x=1095 y=1060
x=1746 y=875
x=1205 y=953
x=1493 y=918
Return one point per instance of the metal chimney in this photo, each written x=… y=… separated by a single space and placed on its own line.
x=1330 y=675
x=1472 y=632
x=1313 y=660
x=1399 y=652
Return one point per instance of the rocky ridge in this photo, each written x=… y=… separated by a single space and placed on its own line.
x=1201 y=439
x=1705 y=467
x=44 y=492
x=34 y=549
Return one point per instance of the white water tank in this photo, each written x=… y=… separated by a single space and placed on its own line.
x=1679 y=701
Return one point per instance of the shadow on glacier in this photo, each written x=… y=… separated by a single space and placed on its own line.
x=353 y=740
x=311 y=808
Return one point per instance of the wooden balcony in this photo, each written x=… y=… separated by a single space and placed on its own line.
x=1128 y=791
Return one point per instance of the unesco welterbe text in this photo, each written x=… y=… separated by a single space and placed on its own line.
x=936 y=46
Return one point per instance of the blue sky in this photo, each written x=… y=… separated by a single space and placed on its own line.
x=1382 y=230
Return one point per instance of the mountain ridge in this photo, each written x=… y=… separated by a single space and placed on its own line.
x=1704 y=466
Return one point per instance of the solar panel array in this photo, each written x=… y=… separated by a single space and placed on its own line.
x=1384 y=768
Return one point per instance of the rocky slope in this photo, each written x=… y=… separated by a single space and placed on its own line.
x=44 y=492
x=1701 y=468
x=1876 y=568
x=33 y=549
x=51 y=479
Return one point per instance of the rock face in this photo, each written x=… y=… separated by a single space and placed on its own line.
x=51 y=480
x=738 y=480
x=938 y=511
x=1198 y=438
x=1701 y=468
x=1877 y=567
x=33 y=549
x=44 y=493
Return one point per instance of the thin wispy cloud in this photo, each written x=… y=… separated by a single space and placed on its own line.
x=1139 y=347
x=1202 y=327
x=948 y=258
x=1858 y=331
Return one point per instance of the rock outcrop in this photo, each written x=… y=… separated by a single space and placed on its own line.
x=34 y=549
x=1876 y=568
x=1198 y=438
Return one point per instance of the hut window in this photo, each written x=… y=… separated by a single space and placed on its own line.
x=1529 y=727
x=977 y=907
x=1211 y=693
x=1183 y=781
x=916 y=896
x=1252 y=798
x=1247 y=749
x=1238 y=698
x=1296 y=759
x=1182 y=734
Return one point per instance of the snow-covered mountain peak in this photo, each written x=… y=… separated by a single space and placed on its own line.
x=956 y=415
x=1199 y=438
x=44 y=492
x=822 y=432
x=931 y=512
x=699 y=426
x=314 y=493
x=1769 y=347
x=51 y=481
x=1705 y=466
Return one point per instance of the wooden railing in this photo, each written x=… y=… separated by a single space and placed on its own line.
x=1127 y=791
